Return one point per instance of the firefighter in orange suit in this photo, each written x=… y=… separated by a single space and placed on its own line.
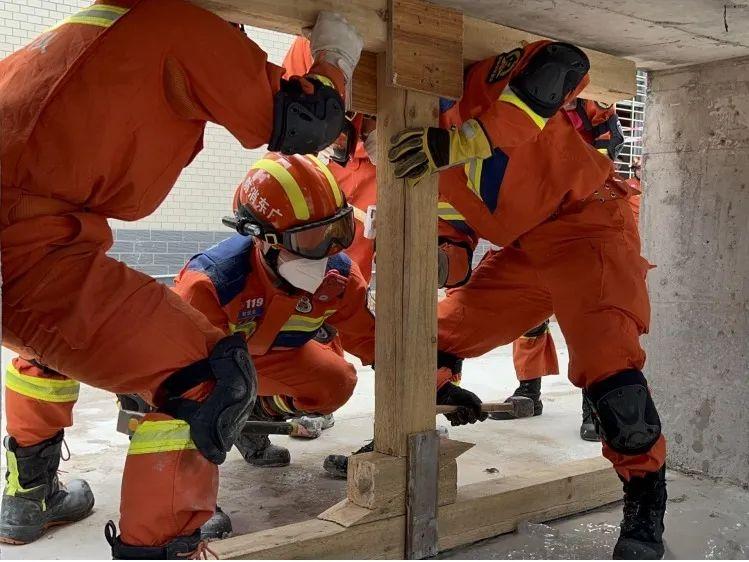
x=522 y=176
x=290 y=291
x=100 y=114
x=357 y=177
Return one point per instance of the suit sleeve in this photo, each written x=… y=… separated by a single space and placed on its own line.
x=196 y=288
x=353 y=320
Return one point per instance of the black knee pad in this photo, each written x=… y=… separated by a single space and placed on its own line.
x=452 y=362
x=217 y=421
x=628 y=418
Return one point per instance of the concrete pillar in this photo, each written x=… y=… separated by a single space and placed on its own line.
x=695 y=228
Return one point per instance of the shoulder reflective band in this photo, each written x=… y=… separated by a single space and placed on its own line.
x=161 y=437
x=447 y=212
x=99 y=15
x=331 y=180
x=510 y=97
x=289 y=185
x=42 y=388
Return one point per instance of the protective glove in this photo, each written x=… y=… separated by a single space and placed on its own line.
x=421 y=151
x=336 y=41
x=453 y=264
x=469 y=405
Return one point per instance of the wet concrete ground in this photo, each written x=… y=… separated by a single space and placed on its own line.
x=704 y=520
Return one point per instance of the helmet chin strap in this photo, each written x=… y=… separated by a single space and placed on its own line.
x=270 y=256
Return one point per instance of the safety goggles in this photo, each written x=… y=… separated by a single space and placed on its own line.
x=313 y=241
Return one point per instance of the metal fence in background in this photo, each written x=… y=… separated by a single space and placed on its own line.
x=632 y=117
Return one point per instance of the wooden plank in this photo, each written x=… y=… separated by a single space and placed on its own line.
x=421 y=498
x=364 y=88
x=483 y=510
x=425 y=47
x=406 y=331
x=612 y=78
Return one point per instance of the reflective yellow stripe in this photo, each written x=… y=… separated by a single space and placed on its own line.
x=447 y=212
x=289 y=185
x=604 y=151
x=299 y=323
x=359 y=215
x=281 y=404
x=510 y=97
x=331 y=180
x=473 y=170
x=100 y=15
x=39 y=388
x=324 y=79
x=161 y=437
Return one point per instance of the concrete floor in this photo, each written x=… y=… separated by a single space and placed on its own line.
x=705 y=520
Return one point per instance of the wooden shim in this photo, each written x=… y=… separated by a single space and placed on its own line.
x=406 y=329
x=421 y=498
x=611 y=78
x=483 y=510
x=425 y=47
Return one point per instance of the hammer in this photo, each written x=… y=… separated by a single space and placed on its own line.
x=518 y=406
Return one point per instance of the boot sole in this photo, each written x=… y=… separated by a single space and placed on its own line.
x=34 y=532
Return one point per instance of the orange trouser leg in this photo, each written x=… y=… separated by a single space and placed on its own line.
x=38 y=402
x=315 y=378
x=535 y=356
x=104 y=324
x=591 y=265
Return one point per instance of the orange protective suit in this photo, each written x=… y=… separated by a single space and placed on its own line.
x=568 y=238
x=99 y=116
x=634 y=199
x=233 y=287
x=357 y=179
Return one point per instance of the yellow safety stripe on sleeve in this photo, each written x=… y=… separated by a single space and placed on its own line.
x=359 y=215
x=473 y=170
x=324 y=79
x=337 y=195
x=161 y=437
x=604 y=151
x=289 y=185
x=42 y=388
x=469 y=141
x=100 y=15
x=510 y=97
x=281 y=404
x=447 y=212
x=297 y=323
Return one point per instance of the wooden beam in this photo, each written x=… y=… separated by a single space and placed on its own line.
x=483 y=510
x=406 y=330
x=611 y=78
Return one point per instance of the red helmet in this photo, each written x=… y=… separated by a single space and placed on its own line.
x=294 y=202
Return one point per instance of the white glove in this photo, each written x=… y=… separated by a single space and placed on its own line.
x=338 y=43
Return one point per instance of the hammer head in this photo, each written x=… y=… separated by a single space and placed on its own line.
x=522 y=406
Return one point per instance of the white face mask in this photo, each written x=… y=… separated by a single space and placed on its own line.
x=303 y=273
x=370 y=145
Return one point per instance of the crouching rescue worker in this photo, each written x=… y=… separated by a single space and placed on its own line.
x=100 y=114
x=290 y=291
x=525 y=180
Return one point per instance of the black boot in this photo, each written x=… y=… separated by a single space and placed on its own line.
x=34 y=500
x=257 y=450
x=589 y=427
x=641 y=536
x=337 y=465
x=217 y=527
x=179 y=548
x=530 y=389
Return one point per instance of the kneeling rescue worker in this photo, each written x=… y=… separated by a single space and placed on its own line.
x=290 y=291
x=525 y=180
x=99 y=115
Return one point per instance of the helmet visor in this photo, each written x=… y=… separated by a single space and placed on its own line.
x=321 y=239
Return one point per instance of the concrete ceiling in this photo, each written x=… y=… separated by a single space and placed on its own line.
x=654 y=33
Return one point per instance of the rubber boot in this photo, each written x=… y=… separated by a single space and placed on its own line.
x=531 y=389
x=337 y=465
x=190 y=547
x=589 y=427
x=641 y=536
x=34 y=500
x=257 y=450
x=217 y=527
